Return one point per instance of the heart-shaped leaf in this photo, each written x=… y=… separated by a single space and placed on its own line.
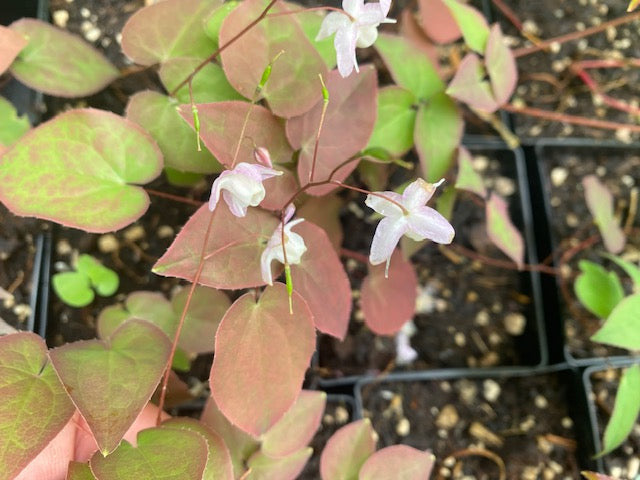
x=389 y=303
x=325 y=212
x=103 y=279
x=73 y=288
x=597 y=289
x=472 y=24
x=347 y=450
x=13 y=126
x=232 y=255
x=83 y=158
x=501 y=66
x=213 y=21
x=501 y=230
x=221 y=126
x=298 y=426
x=149 y=306
x=168 y=29
x=409 y=67
x=398 y=462
x=33 y=404
x=467 y=178
x=219 y=465
x=438 y=133
x=111 y=381
x=468 y=85
x=240 y=444
x=622 y=328
x=437 y=21
x=625 y=410
x=293 y=86
x=321 y=280
x=352 y=102
x=262 y=352
x=59 y=63
x=600 y=203
x=158 y=115
x=310 y=22
x=208 y=85
x=393 y=130
x=264 y=467
x=11 y=43
x=155 y=457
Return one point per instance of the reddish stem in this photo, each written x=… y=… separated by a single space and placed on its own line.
x=175 y=198
x=355 y=255
x=507 y=264
x=606 y=99
x=510 y=14
x=608 y=63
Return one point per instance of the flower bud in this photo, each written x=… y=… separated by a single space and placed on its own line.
x=262 y=156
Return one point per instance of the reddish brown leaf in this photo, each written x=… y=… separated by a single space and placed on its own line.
x=437 y=21
x=398 y=462
x=349 y=122
x=468 y=85
x=325 y=212
x=232 y=256
x=11 y=43
x=262 y=352
x=600 y=203
x=501 y=66
x=389 y=303
x=321 y=280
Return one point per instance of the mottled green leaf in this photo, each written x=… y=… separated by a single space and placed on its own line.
x=77 y=169
x=597 y=289
x=310 y=22
x=472 y=23
x=469 y=86
x=347 y=450
x=155 y=457
x=158 y=115
x=501 y=230
x=264 y=467
x=213 y=22
x=501 y=66
x=169 y=29
x=111 y=381
x=11 y=43
x=625 y=411
x=13 y=126
x=33 y=404
x=468 y=179
x=409 y=67
x=622 y=327
x=437 y=134
x=600 y=203
x=59 y=63
x=79 y=471
x=393 y=130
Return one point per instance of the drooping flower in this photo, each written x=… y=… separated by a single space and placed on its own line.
x=414 y=219
x=294 y=246
x=357 y=28
x=241 y=187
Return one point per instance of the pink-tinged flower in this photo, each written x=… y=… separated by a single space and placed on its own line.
x=416 y=221
x=241 y=187
x=294 y=245
x=357 y=28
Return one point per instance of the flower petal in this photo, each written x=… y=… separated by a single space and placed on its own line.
x=236 y=206
x=428 y=223
x=385 y=6
x=385 y=207
x=386 y=238
x=353 y=7
x=331 y=24
x=265 y=265
x=367 y=36
x=371 y=14
x=345 y=45
x=418 y=193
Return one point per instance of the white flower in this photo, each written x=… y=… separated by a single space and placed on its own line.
x=405 y=354
x=414 y=219
x=294 y=245
x=357 y=28
x=241 y=187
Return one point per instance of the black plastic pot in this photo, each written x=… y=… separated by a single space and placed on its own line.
x=540 y=159
x=407 y=385
x=605 y=464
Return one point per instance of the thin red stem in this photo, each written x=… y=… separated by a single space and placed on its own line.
x=175 y=198
x=510 y=14
x=606 y=99
x=312 y=9
x=355 y=255
x=507 y=264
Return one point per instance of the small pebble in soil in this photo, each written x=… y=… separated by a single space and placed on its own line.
x=108 y=243
x=544 y=445
x=403 y=427
x=559 y=175
x=444 y=472
x=530 y=473
x=633 y=467
x=515 y=323
x=60 y=18
x=528 y=423
x=63 y=247
x=22 y=311
x=134 y=233
x=540 y=401
x=482 y=318
x=328 y=419
x=93 y=34
x=624 y=135
x=468 y=391
x=566 y=422
x=341 y=415
x=165 y=231
x=85 y=12
x=572 y=220
x=459 y=339
x=480 y=163
x=491 y=390
x=479 y=431
x=505 y=186
x=448 y=417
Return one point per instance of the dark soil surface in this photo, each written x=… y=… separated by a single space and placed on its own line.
x=520 y=421
x=468 y=314
x=571 y=224
x=624 y=462
x=547 y=80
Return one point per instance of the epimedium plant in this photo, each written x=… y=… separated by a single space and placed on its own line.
x=250 y=94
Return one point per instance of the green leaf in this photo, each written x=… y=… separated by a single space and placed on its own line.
x=79 y=471
x=501 y=230
x=103 y=279
x=73 y=288
x=600 y=203
x=625 y=410
x=393 y=130
x=76 y=170
x=158 y=114
x=629 y=268
x=597 y=289
x=472 y=23
x=446 y=201
x=155 y=457
x=410 y=67
x=469 y=86
x=398 y=462
x=213 y=22
x=264 y=467
x=209 y=84
x=183 y=179
x=437 y=135
x=11 y=43
x=468 y=179
x=501 y=66
x=168 y=29
x=13 y=126
x=34 y=406
x=310 y=22
x=59 y=63
x=347 y=450
x=111 y=381
x=622 y=327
